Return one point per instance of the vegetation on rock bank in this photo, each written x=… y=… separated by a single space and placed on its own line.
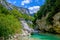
x=46 y=17
x=10 y=21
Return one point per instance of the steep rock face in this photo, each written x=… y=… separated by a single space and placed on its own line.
x=5 y=4
x=48 y=17
x=55 y=28
x=10 y=6
x=42 y=24
x=57 y=22
x=24 y=10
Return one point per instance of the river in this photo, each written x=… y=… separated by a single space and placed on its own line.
x=45 y=36
x=36 y=36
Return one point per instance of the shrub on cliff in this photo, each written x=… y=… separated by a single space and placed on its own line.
x=9 y=25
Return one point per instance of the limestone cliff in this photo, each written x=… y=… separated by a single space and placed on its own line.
x=55 y=28
x=48 y=17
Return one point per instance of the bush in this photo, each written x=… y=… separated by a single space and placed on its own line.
x=9 y=25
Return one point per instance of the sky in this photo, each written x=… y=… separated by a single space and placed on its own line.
x=32 y=5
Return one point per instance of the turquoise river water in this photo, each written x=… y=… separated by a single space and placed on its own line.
x=45 y=36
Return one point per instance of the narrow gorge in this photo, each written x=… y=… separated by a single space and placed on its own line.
x=16 y=23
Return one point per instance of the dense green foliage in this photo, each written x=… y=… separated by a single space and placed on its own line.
x=8 y=23
x=48 y=17
x=51 y=7
x=18 y=14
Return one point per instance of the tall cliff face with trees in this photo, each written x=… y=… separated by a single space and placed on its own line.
x=10 y=16
x=48 y=17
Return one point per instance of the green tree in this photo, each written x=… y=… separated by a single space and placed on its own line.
x=9 y=25
x=51 y=7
